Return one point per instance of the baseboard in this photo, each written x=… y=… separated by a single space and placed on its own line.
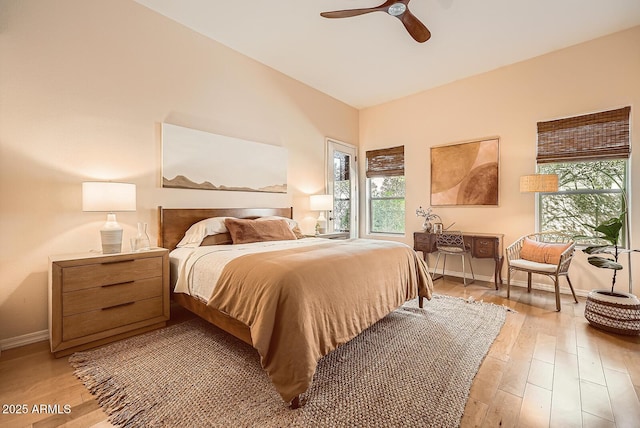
x=548 y=287
x=459 y=275
x=25 y=339
x=534 y=285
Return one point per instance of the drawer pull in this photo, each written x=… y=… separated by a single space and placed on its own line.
x=117 y=283
x=118 y=306
x=118 y=261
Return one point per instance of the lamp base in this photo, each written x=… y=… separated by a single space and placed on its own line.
x=321 y=223
x=111 y=235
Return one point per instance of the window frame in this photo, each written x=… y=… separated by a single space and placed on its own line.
x=383 y=163
x=584 y=242
x=370 y=200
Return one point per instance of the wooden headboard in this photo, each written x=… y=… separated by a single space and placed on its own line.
x=174 y=222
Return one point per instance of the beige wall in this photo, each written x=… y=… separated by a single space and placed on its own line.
x=84 y=87
x=599 y=75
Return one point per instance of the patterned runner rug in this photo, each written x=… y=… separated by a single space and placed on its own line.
x=415 y=368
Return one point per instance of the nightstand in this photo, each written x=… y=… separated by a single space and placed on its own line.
x=332 y=235
x=97 y=298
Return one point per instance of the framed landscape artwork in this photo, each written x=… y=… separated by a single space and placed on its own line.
x=193 y=159
x=465 y=173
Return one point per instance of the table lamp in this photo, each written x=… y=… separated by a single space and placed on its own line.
x=107 y=196
x=321 y=203
x=539 y=183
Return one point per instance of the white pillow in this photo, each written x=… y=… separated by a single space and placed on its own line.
x=200 y=230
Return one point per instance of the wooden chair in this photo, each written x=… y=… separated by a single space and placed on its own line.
x=544 y=253
x=452 y=243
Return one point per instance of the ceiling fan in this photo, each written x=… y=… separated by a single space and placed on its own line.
x=397 y=8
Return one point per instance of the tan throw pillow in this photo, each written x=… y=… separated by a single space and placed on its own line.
x=245 y=231
x=293 y=225
x=542 y=252
x=297 y=232
x=217 y=239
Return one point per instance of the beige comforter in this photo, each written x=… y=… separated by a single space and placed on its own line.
x=302 y=303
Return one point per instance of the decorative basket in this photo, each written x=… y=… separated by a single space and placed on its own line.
x=619 y=315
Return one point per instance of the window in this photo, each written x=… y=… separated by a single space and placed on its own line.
x=386 y=190
x=342 y=185
x=588 y=193
x=590 y=156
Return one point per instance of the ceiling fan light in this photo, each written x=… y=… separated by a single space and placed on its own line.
x=397 y=9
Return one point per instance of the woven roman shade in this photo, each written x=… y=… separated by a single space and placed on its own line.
x=385 y=162
x=603 y=135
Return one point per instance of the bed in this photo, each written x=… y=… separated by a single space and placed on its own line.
x=294 y=300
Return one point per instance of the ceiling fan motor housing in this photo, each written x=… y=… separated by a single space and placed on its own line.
x=397 y=9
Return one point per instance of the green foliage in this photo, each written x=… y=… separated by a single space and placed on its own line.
x=387 y=216
x=589 y=193
x=387 y=209
x=387 y=187
x=341 y=205
x=605 y=263
x=608 y=231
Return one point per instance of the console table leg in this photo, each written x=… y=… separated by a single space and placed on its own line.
x=497 y=274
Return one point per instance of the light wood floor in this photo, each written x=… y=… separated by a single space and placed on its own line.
x=544 y=369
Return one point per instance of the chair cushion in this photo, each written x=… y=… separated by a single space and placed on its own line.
x=529 y=265
x=454 y=250
x=542 y=252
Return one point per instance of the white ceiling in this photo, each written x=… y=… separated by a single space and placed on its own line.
x=370 y=59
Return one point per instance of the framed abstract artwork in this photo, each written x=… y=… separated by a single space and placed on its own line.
x=193 y=159
x=465 y=173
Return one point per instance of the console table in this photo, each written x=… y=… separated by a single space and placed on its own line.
x=482 y=245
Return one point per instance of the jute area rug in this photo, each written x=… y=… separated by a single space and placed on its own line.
x=413 y=368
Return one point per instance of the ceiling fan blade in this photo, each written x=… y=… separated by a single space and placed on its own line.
x=347 y=13
x=355 y=12
x=416 y=29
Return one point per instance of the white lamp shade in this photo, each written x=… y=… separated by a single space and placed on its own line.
x=321 y=203
x=107 y=196
x=539 y=183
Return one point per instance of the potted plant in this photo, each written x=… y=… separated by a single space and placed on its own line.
x=611 y=310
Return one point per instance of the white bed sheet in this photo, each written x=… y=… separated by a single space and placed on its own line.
x=195 y=271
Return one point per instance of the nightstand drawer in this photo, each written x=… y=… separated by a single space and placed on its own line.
x=87 y=323
x=92 y=299
x=108 y=273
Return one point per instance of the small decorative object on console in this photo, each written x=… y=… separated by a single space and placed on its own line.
x=141 y=242
x=428 y=216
